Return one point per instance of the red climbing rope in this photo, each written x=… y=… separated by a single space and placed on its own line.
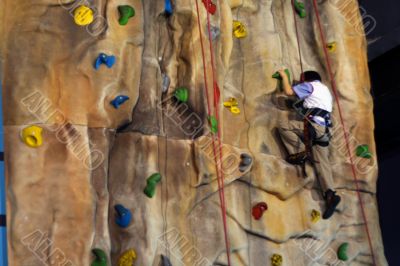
x=217 y=154
x=216 y=107
x=334 y=88
x=297 y=36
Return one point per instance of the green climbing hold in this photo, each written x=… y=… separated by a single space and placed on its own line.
x=342 y=252
x=213 y=123
x=152 y=181
x=182 y=94
x=101 y=257
x=363 y=151
x=300 y=9
x=278 y=76
x=125 y=13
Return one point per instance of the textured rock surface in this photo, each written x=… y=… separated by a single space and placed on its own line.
x=61 y=195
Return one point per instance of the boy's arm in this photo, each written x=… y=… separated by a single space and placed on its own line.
x=287 y=87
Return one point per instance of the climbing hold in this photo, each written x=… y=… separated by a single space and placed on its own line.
x=108 y=60
x=331 y=47
x=123 y=216
x=342 y=252
x=100 y=257
x=152 y=181
x=239 y=30
x=259 y=209
x=165 y=261
x=232 y=105
x=231 y=102
x=213 y=123
x=32 y=136
x=277 y=76
x=315 y=216
x=168 y=8
x=125 y=13
x=182 y=94
x=215 y=32
x=127 y=258
x=210 y=6
x=119 y=100
x=83 y=15
x=166 y=82
x=363 y=151
x=245 y=162
x=300 y=9
x=276 y=260
x=235 y=110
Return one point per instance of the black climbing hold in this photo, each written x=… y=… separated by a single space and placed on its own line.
x=165 y=261
x=2 y=220
x=245 y=162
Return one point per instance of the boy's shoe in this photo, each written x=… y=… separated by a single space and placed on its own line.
x=331 y=202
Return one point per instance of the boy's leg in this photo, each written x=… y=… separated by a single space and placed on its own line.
x=323 y=167
x=324 y=175
x=291 y=135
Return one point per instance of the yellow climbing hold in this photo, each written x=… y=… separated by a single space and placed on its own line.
x=32 y=136
x=127 y=258
x=232 y=104
x=276 y=260
x=239 y=30
x=331 y=47
x=315 y=216
x=83 y=15
x=235 y=110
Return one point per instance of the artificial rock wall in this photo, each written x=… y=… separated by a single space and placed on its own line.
x=60 y=196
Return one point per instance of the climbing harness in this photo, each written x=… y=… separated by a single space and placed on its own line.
x=334 y=89
x=216 y=151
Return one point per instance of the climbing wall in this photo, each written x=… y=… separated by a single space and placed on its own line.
x=62 y=193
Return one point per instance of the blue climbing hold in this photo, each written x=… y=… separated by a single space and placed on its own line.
x=119 y=100
x=168 y=8
x=123 y=216
x=108 y=60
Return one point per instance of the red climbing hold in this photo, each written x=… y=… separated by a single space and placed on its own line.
x=217 y=94
x=210 y=6
x=259 y=209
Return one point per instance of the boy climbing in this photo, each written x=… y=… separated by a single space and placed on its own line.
x=307 y=140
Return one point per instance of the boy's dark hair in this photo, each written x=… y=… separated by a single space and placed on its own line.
x=310 y=76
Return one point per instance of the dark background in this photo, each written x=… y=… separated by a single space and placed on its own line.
x=384 y=64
